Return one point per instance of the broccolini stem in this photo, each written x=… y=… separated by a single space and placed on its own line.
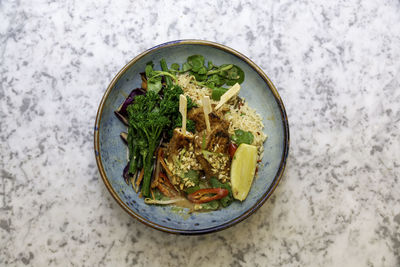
x=148 y=169
x=164 y=67
x=163 y=73
x=219 y=70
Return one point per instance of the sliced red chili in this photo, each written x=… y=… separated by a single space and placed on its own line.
x=232 y=149
x=207 y=195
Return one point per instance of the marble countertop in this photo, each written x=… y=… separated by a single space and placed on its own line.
x=336 y=65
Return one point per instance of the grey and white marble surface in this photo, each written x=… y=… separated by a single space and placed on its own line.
x=336 y=65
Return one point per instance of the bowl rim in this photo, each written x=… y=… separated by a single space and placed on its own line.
x=246 y=213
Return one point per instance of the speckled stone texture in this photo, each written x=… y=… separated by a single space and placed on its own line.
x=336 y=65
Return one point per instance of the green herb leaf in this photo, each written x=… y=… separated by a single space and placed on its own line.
x=154 y=84
x=202 y=70
x=186 y=67
x=235 y=75
x=212 y=205
x=175 y=66
x=158 y=195
x=193 y=176
x=149 y=69
x=192 y=189
x=199 y=77
x=190 y=125
x=217 y=80
x=242 y=137
x=190 y=103
x=210 y=65
x=225 y=201
x=217 y=92
x=196 y=61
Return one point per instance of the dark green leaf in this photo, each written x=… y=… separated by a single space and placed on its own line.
x=193 y=176
x=225 y=201
x=223 y=73
x=186 y=67
x=196 y=61
x=202 y=70
x=210 y=84
x=158 y=195
x=190 y=103
x=217 y=80
x=149 y=69
x=199 y=77
x=232 y=74
x=217 y=93
x=210 y=65
x=175 y=66
x=231 y=82
x=154 y=84
x=212 y=205
x=191 y=190
x=242 y=137
x=235 y=75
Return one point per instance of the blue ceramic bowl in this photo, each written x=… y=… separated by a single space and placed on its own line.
x=110 y=151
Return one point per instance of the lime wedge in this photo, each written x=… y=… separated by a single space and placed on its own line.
x=242 y=170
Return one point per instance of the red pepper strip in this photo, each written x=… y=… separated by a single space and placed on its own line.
x=232 y=149
x=203 y=195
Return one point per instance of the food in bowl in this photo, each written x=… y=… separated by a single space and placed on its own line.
x=191 y=141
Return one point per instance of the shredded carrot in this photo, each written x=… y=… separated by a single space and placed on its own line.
x=139 y=179
x=165 y=167
x=152 y=193
x=160 y=152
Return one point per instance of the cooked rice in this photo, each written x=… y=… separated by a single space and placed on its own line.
x=244 y=117
x=192 y=90
x=247 y=119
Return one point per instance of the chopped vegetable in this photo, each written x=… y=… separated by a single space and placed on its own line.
x=193 y=176
x=212 y=205
x=217 y=93
x=242 y=137
x=227 y=200
x=207 y=195
x=191 y=190
x=232 y=149
x=154 y=78
x=211 y=75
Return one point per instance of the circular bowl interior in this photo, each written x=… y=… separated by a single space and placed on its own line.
x=111 y=152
